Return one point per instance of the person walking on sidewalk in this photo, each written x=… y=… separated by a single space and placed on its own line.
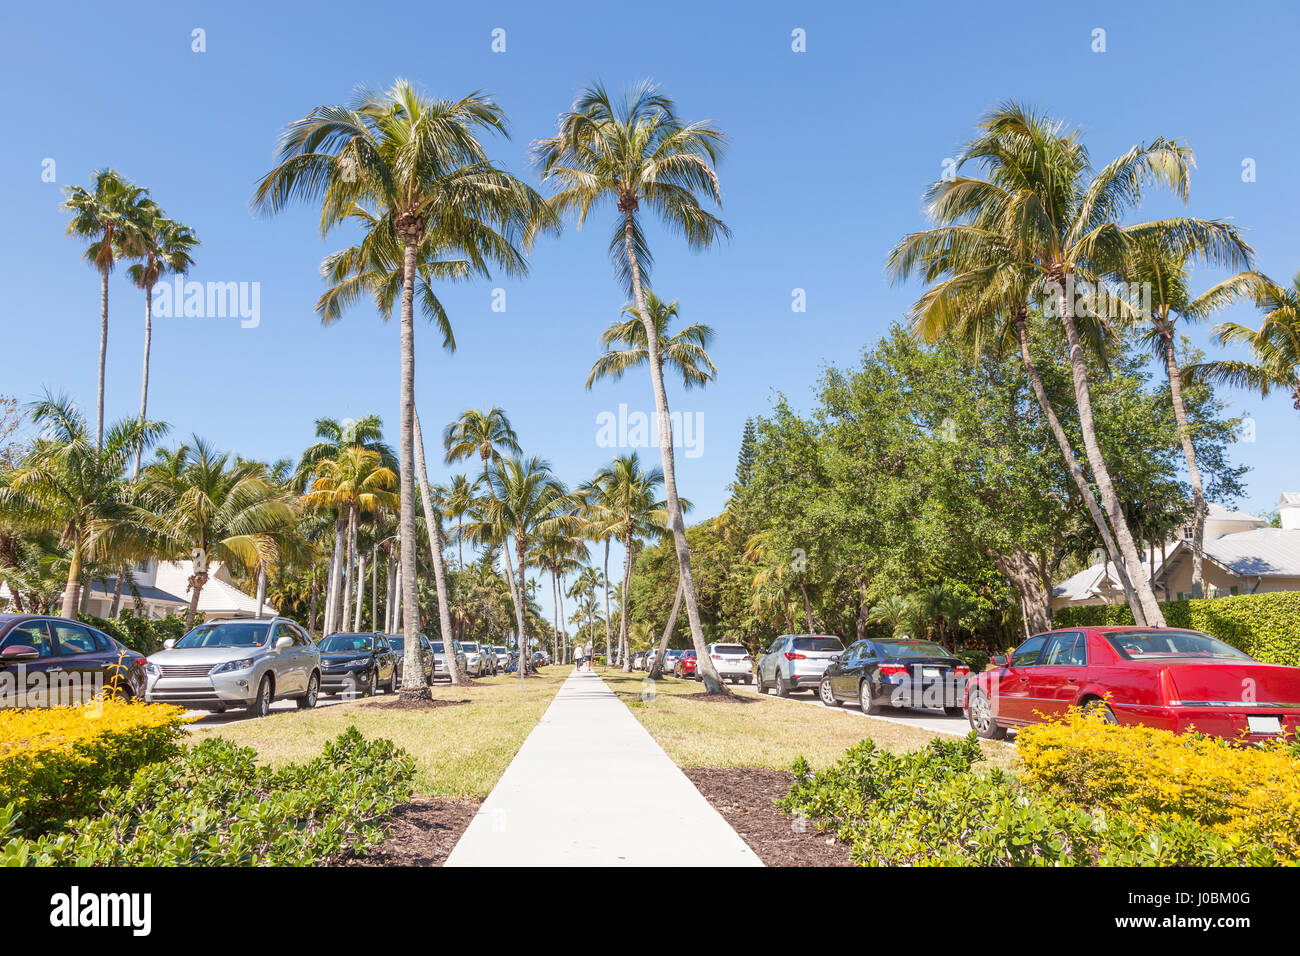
x=577 y=657
x=588 y=655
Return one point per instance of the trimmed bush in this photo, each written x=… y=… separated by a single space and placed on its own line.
x=56 y=762
x=1248 y=795
x=1265 y=626
x=215 y=806
x=977 y=661
x=138 y=633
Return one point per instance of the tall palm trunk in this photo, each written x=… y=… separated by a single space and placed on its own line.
x=609 y=648
x=361 y=589
x=565 y=643
x=261 y=586
x=103 y=357
x=390 y=588
x=195 y=587
x=657 y=668
x=1076 y=472
x=335 y=578
x=1189 y=452
x=349 y=565
x=433 y=521
x=413 y=685
x=623 y=642
x=374 y=587
x=1100 y=471
x=72 y=590
x=555 y=618
x=521 y=546
x=707 y=671
x=144 y=375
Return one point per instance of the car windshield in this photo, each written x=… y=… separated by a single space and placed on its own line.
x=469 y=646
x=347 y=642
x=397 y=642
x=499 y=650
x=817 y=644
x=437 y=646
x=911 y=649
x=227 y=634
x=729 y=649
x=688 y=653
x=1149 y=645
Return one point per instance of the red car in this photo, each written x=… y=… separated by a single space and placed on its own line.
x=686 y=665
x=1161 y=677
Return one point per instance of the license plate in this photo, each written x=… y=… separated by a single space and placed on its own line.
x=930 y=672
x=1264 y=725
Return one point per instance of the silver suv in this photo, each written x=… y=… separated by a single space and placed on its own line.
x=236 y=663
x=797 y=662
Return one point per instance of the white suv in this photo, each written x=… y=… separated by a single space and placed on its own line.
x=731 y=661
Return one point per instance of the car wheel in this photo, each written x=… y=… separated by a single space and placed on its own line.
x=1099 y=708
x=981 y=717
x=393 y=682
x=782 y=689
x=308 y=700
x=758 y=679
x=827 y=695
x=372 y=683
x=261 y=705
x=866 y=699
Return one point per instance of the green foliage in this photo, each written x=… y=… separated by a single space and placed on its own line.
x=1265 y=626
x=139 y=633
x=216 y=806
x=932 y=807
x=976 y=660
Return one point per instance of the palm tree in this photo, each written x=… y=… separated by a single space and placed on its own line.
x=527 y=503
x=460 y=500
x=1044 y=223
x=65 y=483
x=632 y=153
x=433 y=527
x=559 y=554
x=205 y=506
x=102 y=214
x=416 y=166
x=164 y=245
x=1275 y=344
x=685 y=353
x=355 y=483
x=1162 y=270
x=597 y=517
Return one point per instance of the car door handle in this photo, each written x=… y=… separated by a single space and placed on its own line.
x=1073 y=680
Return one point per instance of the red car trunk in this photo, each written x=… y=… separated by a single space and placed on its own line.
x=1242 y=684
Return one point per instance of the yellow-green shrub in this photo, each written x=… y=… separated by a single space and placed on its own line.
x=55 y=762
x=1247 y=795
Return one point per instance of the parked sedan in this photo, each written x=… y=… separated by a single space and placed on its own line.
x=398 y=642
x=732 y=662
x=236 y=663
x=52 y=661
x=440 y=660
x=476 y=659
x=503 y=656
x=896 y=673
x=797 y=662
x=686 y=665
x=357 y=664
x=1174 y=679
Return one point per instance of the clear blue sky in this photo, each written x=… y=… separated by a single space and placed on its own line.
x=831 y=150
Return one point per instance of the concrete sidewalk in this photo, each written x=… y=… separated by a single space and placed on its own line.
x=590 y=787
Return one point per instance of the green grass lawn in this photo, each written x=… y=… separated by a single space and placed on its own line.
x=765 y=732
x=459 y=751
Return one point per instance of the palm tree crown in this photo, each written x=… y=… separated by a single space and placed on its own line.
x=686 y=352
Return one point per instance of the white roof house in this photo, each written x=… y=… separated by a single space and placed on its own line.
x=161 y=590
x=1242 y=556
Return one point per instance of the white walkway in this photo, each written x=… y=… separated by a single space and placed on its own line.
x=590 y=787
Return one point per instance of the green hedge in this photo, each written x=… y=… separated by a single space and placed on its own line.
x=1265 y=626
x=138 y=633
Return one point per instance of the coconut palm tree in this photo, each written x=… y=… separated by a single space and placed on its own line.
x=103 y=215
x=164 y=245
x=526 y=504
x=416 y=166
x=460 y=500
x=1275 y=344
x=433 y=527
x=205 y=505
x=685 y=353
x=354 y=484
x=636 y=153
x=559 y=554
x=596 y=518
x=1044 y=213
x=65 y=483
x=1162 y=273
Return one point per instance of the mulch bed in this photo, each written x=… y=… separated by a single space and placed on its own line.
x=421 y=833
x=744 y=795
x=707 y=698
x=397 y=703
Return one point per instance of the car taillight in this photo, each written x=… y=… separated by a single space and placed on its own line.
x=791 y=656
x=139 y=662
x=961 y=671
x=893 y=670
x=746 y=658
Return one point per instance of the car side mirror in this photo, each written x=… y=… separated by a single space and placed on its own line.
x=999 y=661
x=169 y=643
x=19 y=652
x=281 y=642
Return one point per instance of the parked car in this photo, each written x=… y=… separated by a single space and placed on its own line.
x=398 y=642
x=797 y=662
x=638 y=660
x=540 y=659
x=1170 y=678
x=671 y=657
x=75 y=662
x=476 y=664
x=357 y=664
x=896 y=673
x=236 y=663
x=686 y=665
x=503 y=656
x=440 y=660
x=731 y=661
